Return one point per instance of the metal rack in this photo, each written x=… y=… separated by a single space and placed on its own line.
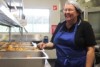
x=7 y=19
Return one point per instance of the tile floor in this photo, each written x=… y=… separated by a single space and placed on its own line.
x=98 y=65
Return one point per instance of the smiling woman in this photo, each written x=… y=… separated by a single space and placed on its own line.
x=73 y=39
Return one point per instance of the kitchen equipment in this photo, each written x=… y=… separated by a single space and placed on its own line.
x=45 y=40
x=22 y=58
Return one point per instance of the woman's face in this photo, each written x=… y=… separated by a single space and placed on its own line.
x=70 y=12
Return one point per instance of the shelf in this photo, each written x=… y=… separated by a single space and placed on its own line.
x=7 y=19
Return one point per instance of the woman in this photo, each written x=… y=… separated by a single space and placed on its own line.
x=73 y=39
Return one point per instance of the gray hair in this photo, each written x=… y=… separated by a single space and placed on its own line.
x=77 y=7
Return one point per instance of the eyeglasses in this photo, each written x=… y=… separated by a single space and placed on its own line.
x=70 y=10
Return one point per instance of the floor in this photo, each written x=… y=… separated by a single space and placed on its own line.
x=50 y=63
x=47 y=64
x=98 y=65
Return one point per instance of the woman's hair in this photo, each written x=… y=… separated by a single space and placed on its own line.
x=77 y=7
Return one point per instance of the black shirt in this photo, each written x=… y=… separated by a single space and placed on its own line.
x=84 y=36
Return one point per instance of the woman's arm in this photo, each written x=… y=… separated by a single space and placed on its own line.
x=90 y=56
x=49 y=45
x=45 y=45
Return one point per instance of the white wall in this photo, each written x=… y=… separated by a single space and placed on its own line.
x=62 y=2
x=45 y=4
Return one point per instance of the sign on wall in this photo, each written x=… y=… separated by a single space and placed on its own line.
x=54 y=7
x=53 y=27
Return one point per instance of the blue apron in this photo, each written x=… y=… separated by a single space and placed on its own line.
x=67 y=55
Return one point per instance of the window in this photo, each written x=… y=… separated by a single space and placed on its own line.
x=4 y=29
x=37 y=20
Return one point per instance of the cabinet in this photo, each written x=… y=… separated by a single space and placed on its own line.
x=93 y=16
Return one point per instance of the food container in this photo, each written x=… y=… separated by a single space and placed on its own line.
x=18 y=46
x=22 y=58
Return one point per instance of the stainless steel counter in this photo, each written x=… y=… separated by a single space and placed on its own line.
x=22 y=58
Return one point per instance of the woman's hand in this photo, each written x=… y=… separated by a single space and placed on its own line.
x=42 y=45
